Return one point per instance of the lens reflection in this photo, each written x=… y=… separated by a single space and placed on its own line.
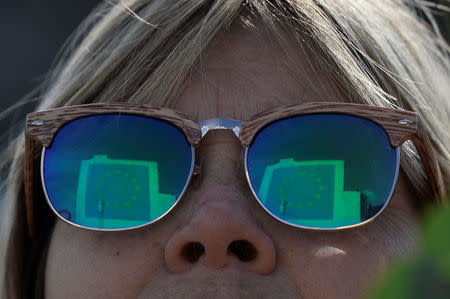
x=322 y=170
x=116 y=171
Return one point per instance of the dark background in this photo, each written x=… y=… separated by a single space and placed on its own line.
x=31 y=34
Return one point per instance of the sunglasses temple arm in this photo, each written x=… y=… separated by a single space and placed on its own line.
x=426 y=153
x=29 y=171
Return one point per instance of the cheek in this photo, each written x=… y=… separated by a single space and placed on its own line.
x=91 y=264
x=345 y=263
x=338 y=264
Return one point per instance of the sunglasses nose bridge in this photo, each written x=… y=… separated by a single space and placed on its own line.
x=214 y=124
x=220 y=124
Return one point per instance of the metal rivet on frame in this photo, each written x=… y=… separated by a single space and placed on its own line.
x=406 y=122
x=37 y=123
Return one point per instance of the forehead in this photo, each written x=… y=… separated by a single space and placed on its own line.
x=241 y=75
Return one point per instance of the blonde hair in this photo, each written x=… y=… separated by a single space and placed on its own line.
x=379 y=52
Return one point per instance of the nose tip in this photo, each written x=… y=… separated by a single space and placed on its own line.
x=220 y=233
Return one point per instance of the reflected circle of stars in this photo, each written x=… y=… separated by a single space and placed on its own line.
x=105 y=202
x=294 y=179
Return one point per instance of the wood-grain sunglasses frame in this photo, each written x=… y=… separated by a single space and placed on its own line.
x=399 y=125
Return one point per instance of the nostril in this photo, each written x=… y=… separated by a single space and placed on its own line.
x=192 y=251
x=243 y=249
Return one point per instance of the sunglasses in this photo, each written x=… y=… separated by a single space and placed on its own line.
x=320 y=166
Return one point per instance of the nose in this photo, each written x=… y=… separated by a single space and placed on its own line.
x=220 y=231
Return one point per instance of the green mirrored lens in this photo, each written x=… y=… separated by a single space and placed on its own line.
x=116 y=171
x=322 y=170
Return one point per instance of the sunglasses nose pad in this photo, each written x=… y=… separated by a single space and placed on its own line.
x=196 y=170
x=198 y=165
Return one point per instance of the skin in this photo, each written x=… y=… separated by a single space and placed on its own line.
x=239 y=77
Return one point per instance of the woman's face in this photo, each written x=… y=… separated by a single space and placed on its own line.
x=239 y=77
